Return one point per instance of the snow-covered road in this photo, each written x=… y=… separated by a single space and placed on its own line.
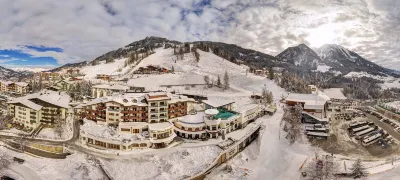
x=25 y=172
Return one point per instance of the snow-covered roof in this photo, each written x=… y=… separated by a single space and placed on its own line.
x=21 y=84
x=27 y=103
x=160 y=126
x=106 y=132
x=112 y=86
x=123 y=99
x=334 y=93
x=314 y=105
x=306 y=97
x=60 y=99
x=192 y=119
x=157 y=96
x=218 y=103
x=175 y=100
x=6 y=82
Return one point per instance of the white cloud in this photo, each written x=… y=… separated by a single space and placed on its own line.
x=86 y=29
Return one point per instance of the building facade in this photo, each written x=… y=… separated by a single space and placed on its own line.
x=45 y=108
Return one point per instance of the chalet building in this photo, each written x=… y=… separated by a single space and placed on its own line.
x=72 y=72
x=14 y=87
x=151 y=70
x=314 y=104
x=47 y=76
x=40 y=108
x=103 y=77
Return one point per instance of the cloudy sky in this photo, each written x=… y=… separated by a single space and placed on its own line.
x=53 y=32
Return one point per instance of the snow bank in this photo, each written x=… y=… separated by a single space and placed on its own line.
x=176 y=165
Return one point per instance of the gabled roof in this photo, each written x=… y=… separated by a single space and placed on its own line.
x=27 y=103
x=59 y=99
x=21 y=84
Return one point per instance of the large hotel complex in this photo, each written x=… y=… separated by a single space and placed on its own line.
x=137 y=120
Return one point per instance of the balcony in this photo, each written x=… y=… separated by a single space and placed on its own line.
x=163 y=139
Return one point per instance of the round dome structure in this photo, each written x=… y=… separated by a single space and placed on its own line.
x=211 y=112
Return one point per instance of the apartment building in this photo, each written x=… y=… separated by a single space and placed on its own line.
x=44 y=107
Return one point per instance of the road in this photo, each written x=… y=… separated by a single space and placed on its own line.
x=25 y=172
x=70 y=142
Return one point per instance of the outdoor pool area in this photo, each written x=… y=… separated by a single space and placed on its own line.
x=224 y=114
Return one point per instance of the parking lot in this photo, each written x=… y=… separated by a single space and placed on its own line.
x=343 y=141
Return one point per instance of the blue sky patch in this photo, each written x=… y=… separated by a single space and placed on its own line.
x=11 y=58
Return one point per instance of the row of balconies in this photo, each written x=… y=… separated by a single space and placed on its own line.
x=133 y=112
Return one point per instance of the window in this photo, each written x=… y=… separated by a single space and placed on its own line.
x=125 y=129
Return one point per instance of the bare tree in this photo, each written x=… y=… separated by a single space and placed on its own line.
x=321 y=168
x=358 y=169
x=207 y=80
x=58 y=126
x=292 y=122
x=5 y=161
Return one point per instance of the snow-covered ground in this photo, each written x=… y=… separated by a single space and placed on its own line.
x=188 y=71
x=323 y=68
x=179 y=164
x=389 y=81
x=75 y=166
x=270 y=156
x=48 y=133
x=114 y=68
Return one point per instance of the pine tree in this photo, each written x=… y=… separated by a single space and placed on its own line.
x=271 y=73
x=226 y=80
x=219 y=81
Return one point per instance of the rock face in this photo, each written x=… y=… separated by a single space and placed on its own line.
x=300 y=55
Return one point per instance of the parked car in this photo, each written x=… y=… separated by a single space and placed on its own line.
x=19 y=160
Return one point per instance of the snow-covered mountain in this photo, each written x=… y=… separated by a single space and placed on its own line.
x=9 y=73
x=333 y=57
x=300 y=55
x=345 y=61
